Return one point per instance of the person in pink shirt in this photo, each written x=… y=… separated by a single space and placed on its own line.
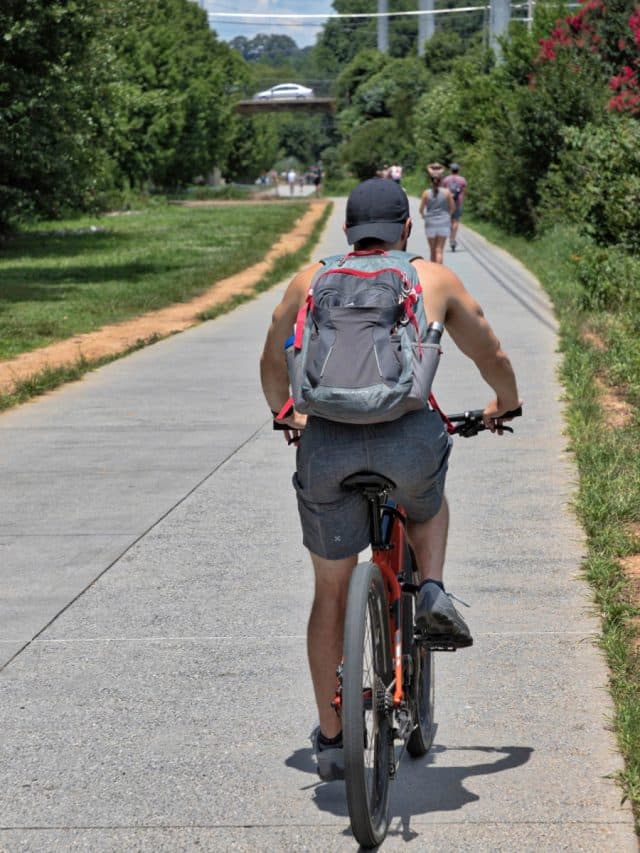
x=457 y=186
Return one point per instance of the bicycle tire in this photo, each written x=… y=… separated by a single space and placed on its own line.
x=422 y=687
x=421 y=737
x=366 y=729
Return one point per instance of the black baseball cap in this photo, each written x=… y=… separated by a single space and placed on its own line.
x=376 y=208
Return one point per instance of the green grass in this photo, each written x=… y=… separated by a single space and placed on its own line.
x=607 y=500
x=227 y=191
x=63 y=278
x=284 y=267
x=51 y=378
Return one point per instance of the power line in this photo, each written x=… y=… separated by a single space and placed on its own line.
x=263 y=16
x=236 y=23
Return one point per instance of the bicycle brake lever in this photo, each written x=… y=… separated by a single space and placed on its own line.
x=470 y=430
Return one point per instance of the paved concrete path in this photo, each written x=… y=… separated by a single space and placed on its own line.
x=283 y=190
x=154 y=600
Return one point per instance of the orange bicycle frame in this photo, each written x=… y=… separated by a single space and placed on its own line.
x=389 y=561
x=387 y=554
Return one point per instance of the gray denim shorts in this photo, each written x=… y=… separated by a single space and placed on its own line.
x=413 y=451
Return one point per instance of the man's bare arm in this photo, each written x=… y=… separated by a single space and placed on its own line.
x=447 y=300
x=472 y=334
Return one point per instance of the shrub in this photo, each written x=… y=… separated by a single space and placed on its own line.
x=597 y=181
x=610 y=280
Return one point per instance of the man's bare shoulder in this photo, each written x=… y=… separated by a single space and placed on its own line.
x=436 y=275
x=299 y=284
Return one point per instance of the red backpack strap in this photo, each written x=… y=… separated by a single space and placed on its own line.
x=436 y=408
x=301 y=319
x=407 y=306
x=286 y=410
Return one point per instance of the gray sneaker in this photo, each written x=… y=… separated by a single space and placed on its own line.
x=436 y=616
x=329 y=760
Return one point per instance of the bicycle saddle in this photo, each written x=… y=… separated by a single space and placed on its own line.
x=363 y=481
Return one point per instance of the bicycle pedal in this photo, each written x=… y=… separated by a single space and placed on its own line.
x=440 y=646
x=442 y=643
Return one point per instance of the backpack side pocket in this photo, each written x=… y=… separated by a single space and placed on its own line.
x=295 y=364
x=426 y=358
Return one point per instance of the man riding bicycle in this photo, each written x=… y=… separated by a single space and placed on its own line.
x=412 y=451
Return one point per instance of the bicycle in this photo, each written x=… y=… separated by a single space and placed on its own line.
x=385 y=681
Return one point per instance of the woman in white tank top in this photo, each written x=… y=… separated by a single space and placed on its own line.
x=436 y=207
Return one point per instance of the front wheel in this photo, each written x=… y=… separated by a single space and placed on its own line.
x=422 y=683
x=421 y=737
x=366 y=728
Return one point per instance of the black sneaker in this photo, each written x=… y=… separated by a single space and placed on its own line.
x=329 y=759
x=453 y=246
x=437 y=617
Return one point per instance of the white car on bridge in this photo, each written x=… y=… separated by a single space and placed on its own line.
x=288 y=91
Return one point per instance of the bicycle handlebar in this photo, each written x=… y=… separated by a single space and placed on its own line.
x=471 y=423
x=468 y=423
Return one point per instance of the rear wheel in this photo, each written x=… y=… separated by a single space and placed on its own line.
x=366 y=728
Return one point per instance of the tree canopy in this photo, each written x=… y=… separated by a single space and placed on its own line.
x=98 y=94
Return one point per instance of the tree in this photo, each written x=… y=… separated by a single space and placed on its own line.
x=374 y=87
x=372 y=145
x=96 y=94
x=48 y=73
x=272 y=49
x=173 y=92
x=441 y=51
x=364 y=65
x=341 y=39
x=255 y=148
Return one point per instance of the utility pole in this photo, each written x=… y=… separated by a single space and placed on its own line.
x=426 y=24
x=383 y=26
x=499 y=18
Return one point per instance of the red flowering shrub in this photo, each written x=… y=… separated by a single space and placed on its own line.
x=602 y=29
x=627 y=89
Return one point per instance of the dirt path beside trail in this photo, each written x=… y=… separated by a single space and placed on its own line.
x=119 y=337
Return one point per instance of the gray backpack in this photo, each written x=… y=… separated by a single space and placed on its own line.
x=358 y=353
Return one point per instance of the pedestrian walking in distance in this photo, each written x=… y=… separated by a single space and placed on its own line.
x=436 y=208
x=457 y=186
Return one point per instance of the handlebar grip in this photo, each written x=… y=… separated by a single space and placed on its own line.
x=514 y=413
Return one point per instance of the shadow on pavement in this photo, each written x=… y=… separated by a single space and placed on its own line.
x=420 y=787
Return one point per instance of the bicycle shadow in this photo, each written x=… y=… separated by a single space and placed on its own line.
x=421 y=786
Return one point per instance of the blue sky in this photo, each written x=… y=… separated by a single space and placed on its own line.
x=302 y=32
